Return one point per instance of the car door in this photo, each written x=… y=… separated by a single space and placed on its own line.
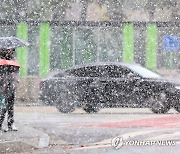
x=124 y=86
x=111 y=85
x=83 y=77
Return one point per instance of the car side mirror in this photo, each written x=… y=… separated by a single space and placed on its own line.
x=60 y=74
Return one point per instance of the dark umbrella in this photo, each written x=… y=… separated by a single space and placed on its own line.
x=12 y=42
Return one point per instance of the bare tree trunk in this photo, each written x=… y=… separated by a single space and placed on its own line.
x=151 y=15
x=84 y=10
x=16 y=9
x=58 y=10
x=63 y=13
x=174 y=15
x=20 y=9
x=151 y=6
x=116 y=11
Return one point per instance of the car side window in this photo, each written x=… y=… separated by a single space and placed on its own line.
x=91 y=71
x=115 y=72
x=119 y=72
x=76 y=72
x=126 y=73
x=111 y=71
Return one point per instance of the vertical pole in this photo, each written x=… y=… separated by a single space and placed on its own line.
x=171 y=60
x=128 y=43
x=151 y=50
x=22 y=33
x=73 y=50
x=98 y=39
x=44 y=65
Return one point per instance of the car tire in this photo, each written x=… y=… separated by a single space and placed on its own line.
x=48 y=103
x=65 y=104
x=159 y=104
x=177 y=106
x=88 y=108
x=66 y=107
x=92 y=104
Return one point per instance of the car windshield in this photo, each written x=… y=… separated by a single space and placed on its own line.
x=144 y=72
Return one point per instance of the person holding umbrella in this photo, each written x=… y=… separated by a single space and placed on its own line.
x=9 y=69
x=7 y=54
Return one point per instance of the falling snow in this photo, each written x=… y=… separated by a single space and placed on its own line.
x=91 y=54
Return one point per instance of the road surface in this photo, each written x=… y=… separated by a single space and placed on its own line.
x=79 y=132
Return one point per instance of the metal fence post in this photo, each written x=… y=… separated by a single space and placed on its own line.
x=73 y=47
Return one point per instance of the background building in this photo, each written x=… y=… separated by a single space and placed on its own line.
x=67 y=33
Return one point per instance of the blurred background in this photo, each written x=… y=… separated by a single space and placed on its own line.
x=72 y=32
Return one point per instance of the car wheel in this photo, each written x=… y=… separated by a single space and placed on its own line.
x=92 y=104
x=66 y=107
x=65 y=104
x=159 y=104
x=177 y=106
x=91 y=108
x=48 y=103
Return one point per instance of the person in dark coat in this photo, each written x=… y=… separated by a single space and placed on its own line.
x=7 y=54
x=8 y=83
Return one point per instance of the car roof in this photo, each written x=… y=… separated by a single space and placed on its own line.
x=101 y=64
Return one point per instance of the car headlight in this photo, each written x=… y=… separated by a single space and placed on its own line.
x=177 y=87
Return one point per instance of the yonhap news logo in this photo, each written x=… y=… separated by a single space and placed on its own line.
x=118 y=142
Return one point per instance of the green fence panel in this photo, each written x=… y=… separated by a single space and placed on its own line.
x=128 y=43
x=66 y=50
x=151 y=49
x=22 y=33
x=44 y=65
x=85 y=51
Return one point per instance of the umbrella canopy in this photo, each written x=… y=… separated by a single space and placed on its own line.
x=8 y=66
x=4 y=62
x=12 y=42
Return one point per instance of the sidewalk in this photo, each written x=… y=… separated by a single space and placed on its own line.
x=25 y=139
x=28 y=139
